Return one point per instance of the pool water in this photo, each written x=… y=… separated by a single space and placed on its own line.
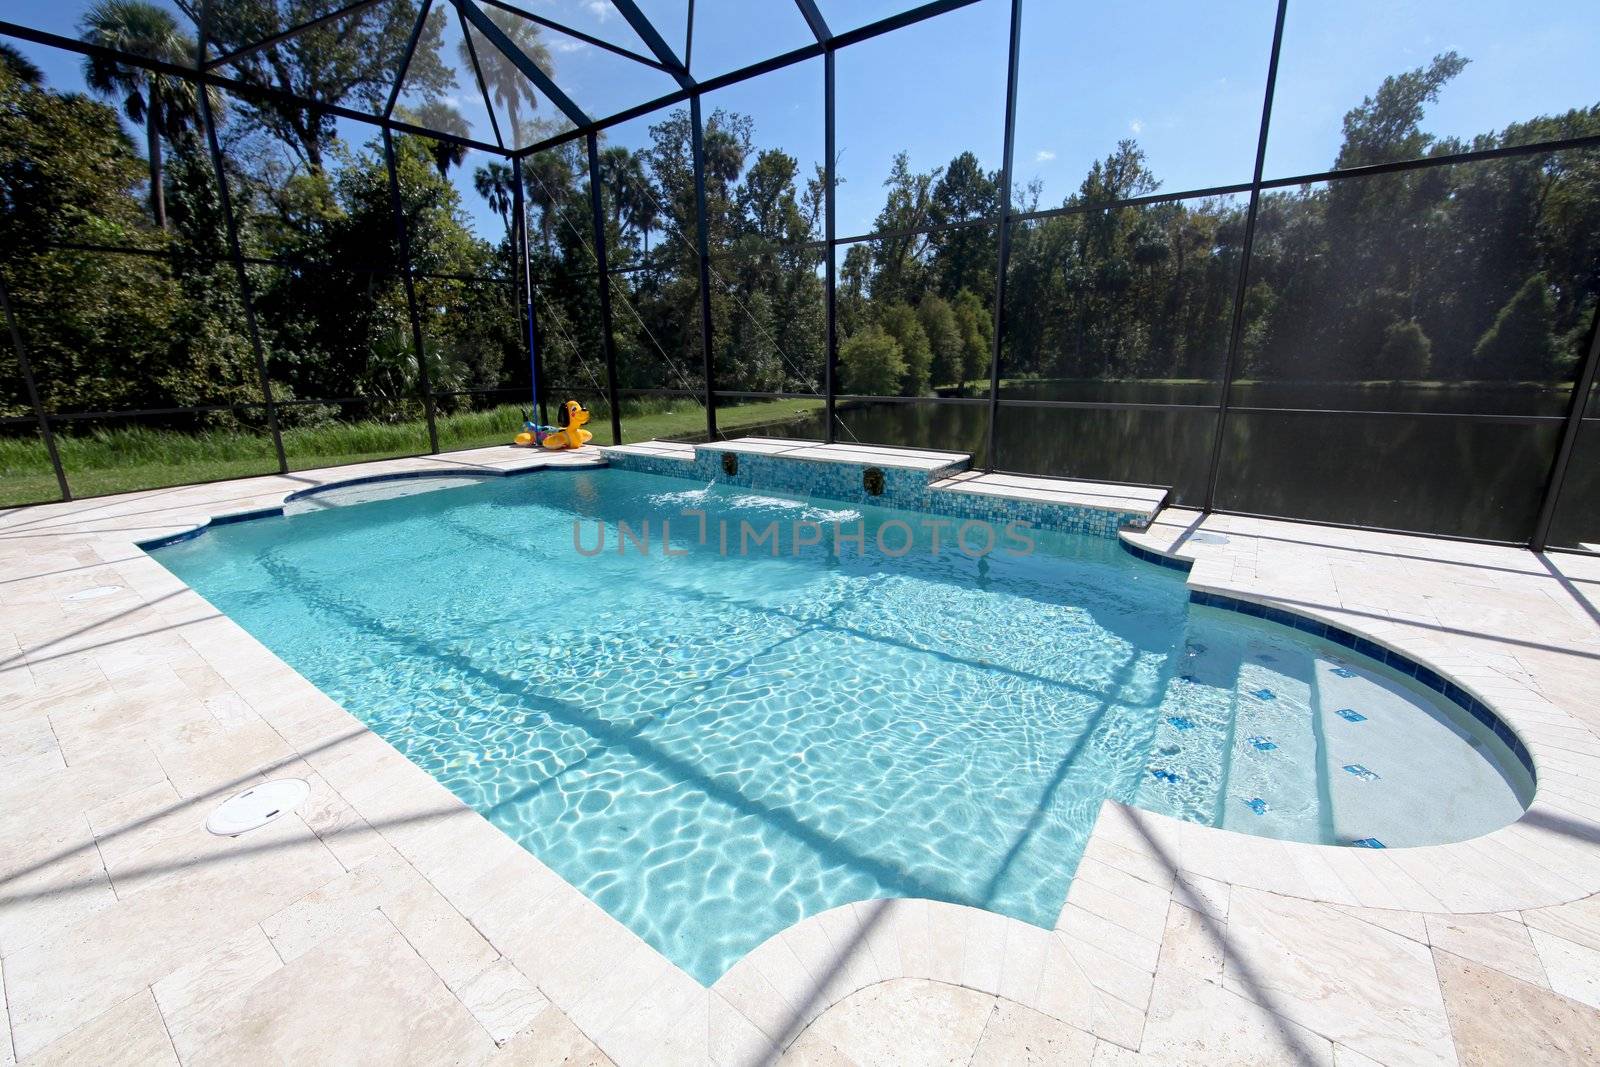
x=714 y=746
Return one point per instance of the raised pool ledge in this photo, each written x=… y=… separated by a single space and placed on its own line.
x=939 y=483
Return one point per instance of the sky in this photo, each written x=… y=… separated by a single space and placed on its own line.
x=1182 y=77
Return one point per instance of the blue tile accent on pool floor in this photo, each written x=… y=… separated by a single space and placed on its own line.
x=1371 y=649
x=1367 y=842
x=1350 y=715
x=1257 y=805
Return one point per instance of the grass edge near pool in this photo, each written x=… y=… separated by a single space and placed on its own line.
x=122 y=460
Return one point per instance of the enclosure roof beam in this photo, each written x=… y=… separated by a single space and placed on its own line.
x=588 y=39
x=814 y=19
x=405 y=60
x=787 y=59
x=293 y=31
x=654 y=41
x=234 y=85
x=477 y=74
x=521 y=60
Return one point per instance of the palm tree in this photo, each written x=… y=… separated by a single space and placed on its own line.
x=613 y=176
x=546 y=179
x=440 y=116
x=165 y=105
x=495 y=184
x=20 y=66
x=724 y=155
x=500 y=76
x=633 y=200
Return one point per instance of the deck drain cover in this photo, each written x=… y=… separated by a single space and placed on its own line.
x=257 y=806
x=1209 y=539
x=95 y=593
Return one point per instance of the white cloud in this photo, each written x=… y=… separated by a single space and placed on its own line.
x=600 y=9
x=1044 y=155
x=566 y=44
x=1137 y=125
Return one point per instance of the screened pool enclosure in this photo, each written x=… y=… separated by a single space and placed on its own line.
x=1330 y=262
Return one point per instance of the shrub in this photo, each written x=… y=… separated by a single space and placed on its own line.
x=872 y=364
x=1406 y=350
x=1521 y=343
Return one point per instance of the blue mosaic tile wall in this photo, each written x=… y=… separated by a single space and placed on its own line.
x=1157 y=558
x=905 y=489
x=669 y=468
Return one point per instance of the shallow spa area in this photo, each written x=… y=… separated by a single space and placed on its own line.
x=713 y=745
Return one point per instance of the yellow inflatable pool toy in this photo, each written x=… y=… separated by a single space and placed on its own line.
x=571 y=433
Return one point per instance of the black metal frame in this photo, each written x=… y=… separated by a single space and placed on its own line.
x=607 y=340
x=402 y=234
x=658 y=55
x=1236 y=330
x=1003 y=244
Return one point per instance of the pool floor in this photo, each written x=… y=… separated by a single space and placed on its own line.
x=714 y=746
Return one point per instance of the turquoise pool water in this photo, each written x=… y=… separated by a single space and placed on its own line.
x=714 y=746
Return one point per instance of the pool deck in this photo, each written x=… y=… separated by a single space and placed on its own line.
x=386 y=922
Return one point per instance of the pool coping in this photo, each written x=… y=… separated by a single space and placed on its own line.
x=639 y=1007
x=274 y=511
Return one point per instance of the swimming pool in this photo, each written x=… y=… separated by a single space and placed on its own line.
x=713 y=745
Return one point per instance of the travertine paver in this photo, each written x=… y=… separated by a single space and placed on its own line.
x=384 y=921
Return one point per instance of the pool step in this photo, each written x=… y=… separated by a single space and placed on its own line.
x=1060 y=491
x=906 y=459
x=812 y=468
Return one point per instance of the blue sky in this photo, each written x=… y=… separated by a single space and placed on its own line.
x=1182 y=77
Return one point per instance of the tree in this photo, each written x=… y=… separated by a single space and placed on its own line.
x=166 y=106
x=727 y=145
x=1387 y=125
x=1406 y=351
x=106 y=332
x=964 y=256
x=632 y=200
x=438 y=115
x=897 y=259
x=505 y=83
x=547 y=183
x=1521 y=345
x=495 y=182
x=900 y=322
x=766 y=200
x=352 y=61
x=872 y=364
x=944 y=339
x=977 y=332
x=20 y=66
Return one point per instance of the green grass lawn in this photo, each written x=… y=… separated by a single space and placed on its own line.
x=121 y=460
